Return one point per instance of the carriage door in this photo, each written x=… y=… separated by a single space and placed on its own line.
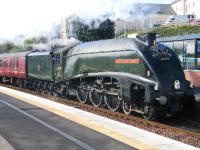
x=58 y=72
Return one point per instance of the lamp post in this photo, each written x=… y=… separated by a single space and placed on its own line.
x=184 y=7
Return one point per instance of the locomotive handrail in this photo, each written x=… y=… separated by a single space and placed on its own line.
x=131 y=76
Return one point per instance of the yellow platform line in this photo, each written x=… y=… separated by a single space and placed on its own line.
x=133 y=142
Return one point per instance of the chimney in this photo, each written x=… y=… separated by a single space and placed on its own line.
x=149 y=39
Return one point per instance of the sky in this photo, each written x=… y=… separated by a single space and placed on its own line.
x=33 y=17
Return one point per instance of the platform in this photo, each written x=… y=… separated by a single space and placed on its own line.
x=79 y=129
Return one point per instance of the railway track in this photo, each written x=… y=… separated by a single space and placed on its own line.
x=182 y=130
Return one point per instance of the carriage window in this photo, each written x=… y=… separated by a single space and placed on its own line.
x=4 y=63
x=198 y=46
x=1 y=63
x=7 y=64
x=16 y=64
x=198 y=54
x=12 y=63
x=169 y=44
x=190 y=59
x=190 y=47
x=179 y=50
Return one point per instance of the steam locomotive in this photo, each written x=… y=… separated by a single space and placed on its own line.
x=120 y=74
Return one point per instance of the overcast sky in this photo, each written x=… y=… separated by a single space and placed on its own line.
x=19 y=17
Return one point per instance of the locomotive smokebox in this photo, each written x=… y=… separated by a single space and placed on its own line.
x=149 y=38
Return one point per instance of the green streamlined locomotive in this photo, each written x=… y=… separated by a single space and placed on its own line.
x=122 y=74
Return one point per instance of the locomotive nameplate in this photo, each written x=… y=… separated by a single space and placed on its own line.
x=128 y=61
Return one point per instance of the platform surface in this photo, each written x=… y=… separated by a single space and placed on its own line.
x=28 y=127
x=4 y=145
x=27 y=120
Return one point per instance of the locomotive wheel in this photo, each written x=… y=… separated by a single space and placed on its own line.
x=64 y=92
x=96 y=98
x=149 y=112
x=25 y=84
x=126 y=106
x=49 y=89
x=44 y=88
x=54 y=93
x=44 y=93
x=82 y=95
x=21 y=84
x=112 y=102
x=38 y=88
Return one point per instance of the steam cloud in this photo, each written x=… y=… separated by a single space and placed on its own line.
x=32 y=17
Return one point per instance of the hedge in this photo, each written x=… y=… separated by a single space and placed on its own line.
x=168 y=31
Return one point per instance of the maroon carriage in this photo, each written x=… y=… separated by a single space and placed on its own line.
x=13 y=66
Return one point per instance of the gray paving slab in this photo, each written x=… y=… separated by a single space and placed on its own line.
x=24 y=132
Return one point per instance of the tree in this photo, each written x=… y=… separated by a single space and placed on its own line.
x=42 y=39
x=94 y=31
x=8 y=47
x=107 y=29
x=80 y=30
x=56 y=31
x=30 y=41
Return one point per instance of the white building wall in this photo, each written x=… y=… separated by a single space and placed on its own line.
x=187 y=7
x=178 y=7
x=193 y=7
